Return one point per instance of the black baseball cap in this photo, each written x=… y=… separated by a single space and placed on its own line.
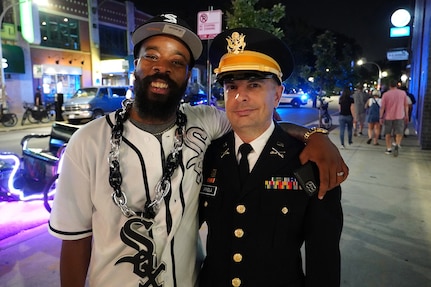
x=242 y=53
x=167 y=24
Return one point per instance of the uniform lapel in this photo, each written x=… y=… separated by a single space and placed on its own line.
x=272 y=158
x=229 y=162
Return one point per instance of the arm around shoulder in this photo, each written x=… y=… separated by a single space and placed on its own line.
x=321 y=150
x=74 y=261
x=323 y=227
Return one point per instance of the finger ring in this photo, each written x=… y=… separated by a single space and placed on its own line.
x=341 y=173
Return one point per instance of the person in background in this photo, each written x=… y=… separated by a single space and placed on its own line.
x=4 y=99
x=38 y=97
x=410 y=101
x=129 y=93
x=126 y=204
x=394 y=115
x=259 y=219
x=373 y=106
x=346 y=118
x=360 y=98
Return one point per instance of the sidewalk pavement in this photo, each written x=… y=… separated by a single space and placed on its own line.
x=26 y=125
x=386 y=239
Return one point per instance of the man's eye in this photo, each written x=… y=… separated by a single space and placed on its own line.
x=151 y=57
x=230 y=87
x=178 y=63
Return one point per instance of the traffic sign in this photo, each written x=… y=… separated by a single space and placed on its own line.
x=209 y=24
x=397 y=55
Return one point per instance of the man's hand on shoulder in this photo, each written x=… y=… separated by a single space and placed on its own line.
x=332 y=168
x=321 y=150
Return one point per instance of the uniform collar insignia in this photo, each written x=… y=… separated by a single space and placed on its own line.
x=226 y=150
x=277 y=152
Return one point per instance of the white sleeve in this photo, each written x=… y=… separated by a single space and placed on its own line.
x=72 y=209
x=213 y=120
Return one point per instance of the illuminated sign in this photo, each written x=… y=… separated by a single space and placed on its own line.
x=400 y=31
x=400 y=18
x=29 y=16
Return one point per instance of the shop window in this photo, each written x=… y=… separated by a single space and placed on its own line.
x=112 y=41
x=59 y=32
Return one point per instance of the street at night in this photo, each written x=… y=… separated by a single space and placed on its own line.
x=386 y=234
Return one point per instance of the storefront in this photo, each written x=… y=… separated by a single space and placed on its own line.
x=57 y=79
x=115 y=72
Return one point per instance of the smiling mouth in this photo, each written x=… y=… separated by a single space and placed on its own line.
x=244 y=112
x=159 y=87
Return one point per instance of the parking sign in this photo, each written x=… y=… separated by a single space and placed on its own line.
x=209 y=24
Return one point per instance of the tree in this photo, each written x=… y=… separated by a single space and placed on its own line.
x=327 y=59
x=244 y=14
x=333 y=66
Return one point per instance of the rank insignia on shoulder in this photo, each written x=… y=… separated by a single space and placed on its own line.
x=289 y=183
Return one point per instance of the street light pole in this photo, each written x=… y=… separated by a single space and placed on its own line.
x=379 y=79
x=2 y=78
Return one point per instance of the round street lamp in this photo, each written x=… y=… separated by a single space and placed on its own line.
x=379 y=78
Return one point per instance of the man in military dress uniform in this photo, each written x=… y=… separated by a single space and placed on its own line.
x=258 y=221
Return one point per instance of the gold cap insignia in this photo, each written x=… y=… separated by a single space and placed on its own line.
x=236 y=43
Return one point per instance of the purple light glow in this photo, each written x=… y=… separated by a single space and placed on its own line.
x=14 y=161
x=18 y=216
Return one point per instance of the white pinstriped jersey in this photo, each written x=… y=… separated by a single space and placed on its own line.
x=132 y=251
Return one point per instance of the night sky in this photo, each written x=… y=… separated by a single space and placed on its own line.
x=368 y=23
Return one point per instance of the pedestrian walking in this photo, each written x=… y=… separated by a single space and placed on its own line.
x=360 y=98
x=346 y=119
x=394 y=115
x=373 y=120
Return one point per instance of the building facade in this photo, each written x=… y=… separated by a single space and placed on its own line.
x=83 y=43
x=420 y=74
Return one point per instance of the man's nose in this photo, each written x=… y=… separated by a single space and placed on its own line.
x=161 y=67
x=241 y=95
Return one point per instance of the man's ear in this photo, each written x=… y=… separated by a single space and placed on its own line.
x=278 y=92
x=189 y=74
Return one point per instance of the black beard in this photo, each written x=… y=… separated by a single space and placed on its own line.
x=158 y=107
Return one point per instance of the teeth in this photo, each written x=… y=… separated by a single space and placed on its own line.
x=159 y=85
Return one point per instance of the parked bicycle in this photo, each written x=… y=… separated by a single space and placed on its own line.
x=8 y=119
x=35 y=114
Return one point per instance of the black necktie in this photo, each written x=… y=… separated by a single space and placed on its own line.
x=244 y=168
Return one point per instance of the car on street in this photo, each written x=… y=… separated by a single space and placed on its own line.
x=198 y=99
x=294 y=98
x=93 y=102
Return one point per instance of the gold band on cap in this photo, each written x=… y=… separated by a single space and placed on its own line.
x=248 y=61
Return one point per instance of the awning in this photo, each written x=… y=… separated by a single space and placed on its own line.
x=14 y=57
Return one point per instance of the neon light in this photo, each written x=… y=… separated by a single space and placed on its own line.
x=18 y=193
x=8 y=157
